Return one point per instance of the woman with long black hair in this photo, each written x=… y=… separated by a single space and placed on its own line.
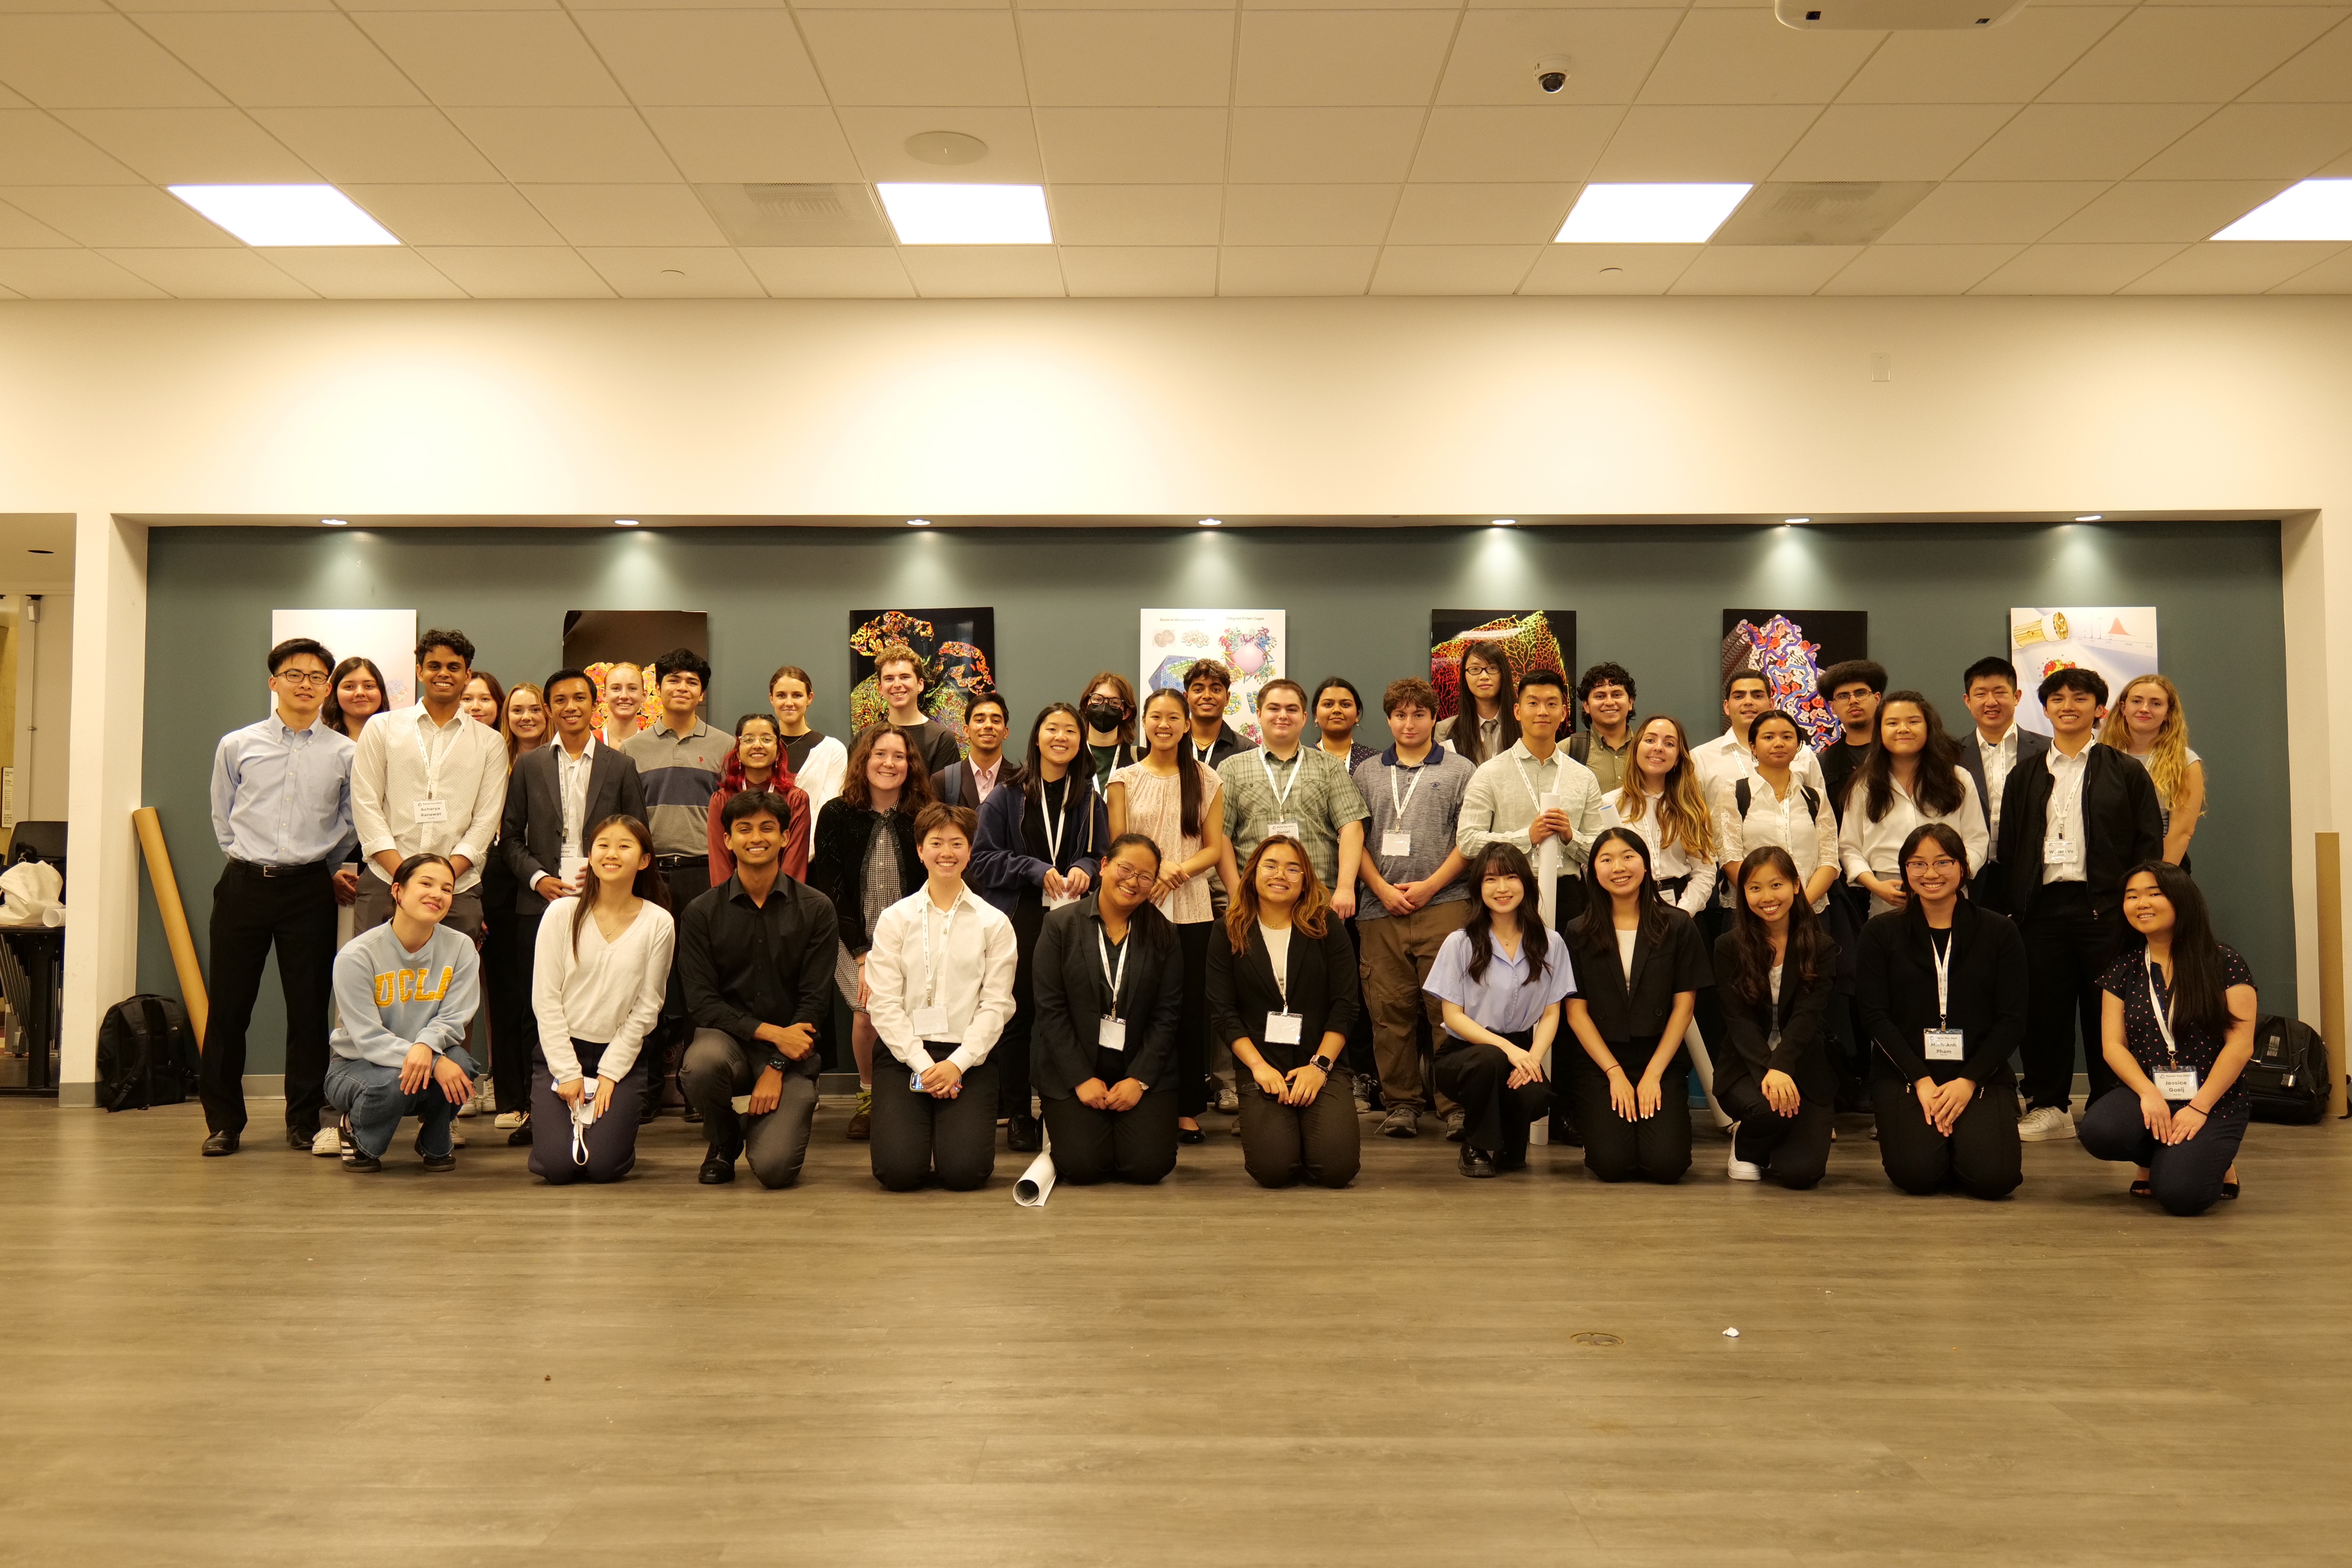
x=1911 y=776
x=1486 y=727
x=1501 y=979
x=1775 y=968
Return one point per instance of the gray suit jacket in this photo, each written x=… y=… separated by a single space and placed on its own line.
x=2030 y=747
x=531 y=834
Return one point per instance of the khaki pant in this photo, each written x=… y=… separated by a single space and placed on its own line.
x=1397 y=953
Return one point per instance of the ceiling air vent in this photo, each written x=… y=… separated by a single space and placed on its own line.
x=1894 y=15
x=1820 y=212
x=796 y=214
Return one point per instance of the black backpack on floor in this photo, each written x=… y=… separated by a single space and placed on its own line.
x=2287 y=1080
x=146 y=1054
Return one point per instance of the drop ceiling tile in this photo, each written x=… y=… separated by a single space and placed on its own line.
x=1608 y=269
x=378 y=145
x=1132 y=59
x=145 y=8
x=733 y=59
x=1919 y=269
x=1761 y=269
x=99 y=6
x=1263 y=270
x=1028 y=6
x=2330 y=277
x=70 y=275
x=366 y=272
x=138 y=217
x=1701 y=144
x=674 y=272
x=1140 y=271
x=501 y=58
x=2074 y=269
x=1746 y=56
x=1122 y=146
x=780 y=146
x=2165 y=54
x=22 y=231
x=983 y=272
x=1133 y=216
x=285 y=60
x=457 y=215
x=598 y=145
x=1318 y=145
x=36 y=150
x=1334 y=58
x=2338 y=169
x=2079 y=141
x=211 y=274
x=2320 y=74
x=517 y=272
x=2146 y=211
x=917 y=57
x=1995 y=212
x=1494 y=56
x=1480 y=215
x=2257 y=141
x=878 y=137
x=1561 y=142
x=577 y=6
x=2232 y=266
x=2008 y=64
x=94 y=62
x=1307 y=214
x=1891 y=141
x=829 y=272
x=626 y=215
x=200 y=146
x=1453 y=269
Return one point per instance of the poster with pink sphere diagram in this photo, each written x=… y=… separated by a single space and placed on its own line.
x=1251 y=644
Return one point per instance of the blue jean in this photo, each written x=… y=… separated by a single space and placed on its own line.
x=371 y=1096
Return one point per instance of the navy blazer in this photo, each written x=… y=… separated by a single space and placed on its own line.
x=1003 y=869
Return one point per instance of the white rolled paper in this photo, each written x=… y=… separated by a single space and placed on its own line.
x=1036 y=1182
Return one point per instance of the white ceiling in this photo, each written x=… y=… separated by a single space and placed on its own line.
x=528 y=148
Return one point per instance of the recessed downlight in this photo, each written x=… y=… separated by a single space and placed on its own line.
x=2091 y=517
x=918 y=523
x=1506 y=523
x=625 y=522
x=335 y=521
x=1213 y=522
x=1796 y=520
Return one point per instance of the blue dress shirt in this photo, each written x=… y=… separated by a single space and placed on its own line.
x=1501 y=999
x=283 y=796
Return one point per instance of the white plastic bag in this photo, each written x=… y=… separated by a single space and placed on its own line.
x=31 y=890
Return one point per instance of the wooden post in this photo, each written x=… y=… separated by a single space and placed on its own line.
x=2329 y=850
x=175 y=920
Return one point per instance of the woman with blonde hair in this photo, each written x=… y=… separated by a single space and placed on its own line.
x=1662 y=801
x=2149 y=725
x=522 y=720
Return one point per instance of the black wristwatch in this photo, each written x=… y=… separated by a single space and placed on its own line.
x=781 y=1062
x=1323 y=1065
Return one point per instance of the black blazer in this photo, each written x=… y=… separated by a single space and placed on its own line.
x=1324 y=991
x=1746 y=1054
x=1634 y=1009
x=2031 y=749
x=1066 y=972
x=956 y=786
x=2122 y=826
x=530 y=831
x=837 y=864
x=1894 y=995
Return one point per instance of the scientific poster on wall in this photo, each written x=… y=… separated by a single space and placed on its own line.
x=958 y=647
x=1531 y=639
x=2119 y=641
x=596 y=640
x=387 y=636
x=1253 y=644
x=1791 y=649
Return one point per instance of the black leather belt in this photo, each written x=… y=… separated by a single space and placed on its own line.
x=313 y=869
x=674 y=862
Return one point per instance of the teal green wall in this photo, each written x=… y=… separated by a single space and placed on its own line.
x=1359 y=601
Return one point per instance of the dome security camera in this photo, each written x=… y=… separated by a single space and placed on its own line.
x=1552 y=71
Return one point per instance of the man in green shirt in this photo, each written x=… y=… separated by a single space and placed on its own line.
x=1304 y=792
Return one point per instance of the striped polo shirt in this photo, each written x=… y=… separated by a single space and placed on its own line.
x=680 y=773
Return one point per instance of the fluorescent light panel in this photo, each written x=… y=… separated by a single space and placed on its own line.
x=1649 y=213
x=286 y=215
x=967 y=214
x=2312 y=209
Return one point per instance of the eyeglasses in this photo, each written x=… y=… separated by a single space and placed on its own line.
x=1129 y=875
x=303 y=677
x=1943 y=863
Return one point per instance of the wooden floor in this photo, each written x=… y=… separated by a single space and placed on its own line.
x=266 y=1360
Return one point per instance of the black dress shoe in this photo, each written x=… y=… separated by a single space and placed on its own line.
x=693 y=1117
x=521 y=1137
x=220 y=1143
x=447 y=1161
x=1506 y=1164
x=1477 y=1161
x=718 y=1169
x=297 y=1138
x=651 y=1108
x=1190 y=1135
x=1024 y=1136
x=358 y=1159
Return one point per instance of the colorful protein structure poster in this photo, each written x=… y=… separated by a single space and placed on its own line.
x=1531 y=639
x=596 y=640
x=2119 y=642
x=386 y=637
x=1791 y=649
x=1253 y=644
x=958 y=647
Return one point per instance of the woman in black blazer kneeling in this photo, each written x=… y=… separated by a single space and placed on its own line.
x=1939 y=988
x=1775 y=968
x=1108 y=973
x=1283 y=991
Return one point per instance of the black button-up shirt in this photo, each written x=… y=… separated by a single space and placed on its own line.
x=743 y=964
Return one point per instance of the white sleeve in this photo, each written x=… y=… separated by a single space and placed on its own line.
x=886 y=991
x=369 y=762
x=621 y=1052
x=552 y=963
x=1850 y=857
x=1730 y=833
x=1971 y=823
x=995 y=1008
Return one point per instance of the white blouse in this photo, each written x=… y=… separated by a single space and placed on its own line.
x=1667 y=861
x=968 y=976
x=821 y=774
x=608 y=992
x=1872 y=847
x=1810 y=840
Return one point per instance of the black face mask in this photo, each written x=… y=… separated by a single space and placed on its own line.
x=1105 y=715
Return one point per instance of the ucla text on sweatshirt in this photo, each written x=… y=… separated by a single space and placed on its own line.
x=391 y=998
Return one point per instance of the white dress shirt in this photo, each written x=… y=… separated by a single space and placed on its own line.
x=1876 y=846
x=960 y=959
x=607 y=994
x=1812 y=841
x=404 y=759
x=1728 y=757
x=1667 y=861
x=572 y=788
x=2063 y=818
x=1998 y=757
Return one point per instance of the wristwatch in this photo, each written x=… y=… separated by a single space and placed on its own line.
x=781 y=1062
x=1323 y=1065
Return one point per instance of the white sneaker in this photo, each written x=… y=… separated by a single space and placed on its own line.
x=508 y=1120
x=328 y=1144
x=456 y=1138
x=1738 y=1169
x=2045 y=1125
x=1229 y=1102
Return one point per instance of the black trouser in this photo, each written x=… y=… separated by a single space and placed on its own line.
x=510 y=947
x=294 y=912
x=1980 y=1154
x=2068 y=947
x=1318 y=1141
x=2185 y=1178
x=608 y=1150
x=1567 y=900
x=689 y=877
x=1794 y=1150
x=1191 y=1023
x=1477 y=1075
x=1655 y=1148
x=1091 y=1146
x=1356 y=1055
x=916 y=1135
x=1011 y=1054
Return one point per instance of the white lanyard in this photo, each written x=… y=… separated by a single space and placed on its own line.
x=1282 y=794
x=2163 y=1013
x=432 y=763
x=1057 y=821
x=1407 y=801
x=931 y=980
x=1534 y=793
x=1102 y=950
x=1943 y=957
x=1200 y=754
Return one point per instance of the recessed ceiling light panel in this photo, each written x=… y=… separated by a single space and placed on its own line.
x=967 y=214
x=1649 y=213
x=286 y=215
x=2091 y=517
x=2312 y=209
x=1213 y=522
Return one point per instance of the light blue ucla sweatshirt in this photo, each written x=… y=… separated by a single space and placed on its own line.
x=391 y=998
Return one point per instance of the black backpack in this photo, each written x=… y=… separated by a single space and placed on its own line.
x=2287 y=1080
x=1742 y=795
x=146 y=1054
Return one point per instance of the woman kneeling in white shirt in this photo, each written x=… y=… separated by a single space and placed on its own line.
x=598 y=976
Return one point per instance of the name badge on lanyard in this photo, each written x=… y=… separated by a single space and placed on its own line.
x=1110 y=1032
x=432 y=811
x=2172 y=1080
x=1943 y=1043
x=1284 y=1028
x=1287 y=827
x=930 y=1019
x=431 y=808
x=2060 y=851
x=1058 y=823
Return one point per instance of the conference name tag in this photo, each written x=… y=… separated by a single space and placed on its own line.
x=1282 y=830
x=1055 y=901
x=432 y=811
x=569 y=868
x=1110 y=1034
x=1283 y=1029
x=2176 y=1083
x=1396 y=842
x=930 y=1023
x=2059 y=851
x=1943 y=1045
